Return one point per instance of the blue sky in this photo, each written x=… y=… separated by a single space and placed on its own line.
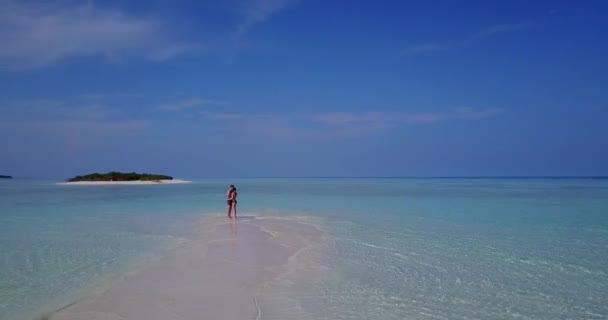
x=304 y=88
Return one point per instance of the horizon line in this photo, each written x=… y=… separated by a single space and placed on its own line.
x=376 y=177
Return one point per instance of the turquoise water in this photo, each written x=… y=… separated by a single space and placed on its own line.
x=398 y=248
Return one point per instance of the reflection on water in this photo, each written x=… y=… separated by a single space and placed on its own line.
x=233 y=226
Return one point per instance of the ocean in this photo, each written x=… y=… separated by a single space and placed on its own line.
x=394 y=248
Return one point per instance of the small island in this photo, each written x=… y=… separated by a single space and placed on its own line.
x=5 y=177
x=120 y=176
x=116 y=177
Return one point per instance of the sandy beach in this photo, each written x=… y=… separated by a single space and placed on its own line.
x=220 y=274
x=98 y=183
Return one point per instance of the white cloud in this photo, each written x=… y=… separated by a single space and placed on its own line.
x=38 y=35
x=475 y=37
x=57 y=109
x=258 y=11
x=394 y=118
x=222 y=116
x=492 y=30
x=66 y=128
x=336 y=125
x=188 y=104
x=72 y=122
x=470 y=113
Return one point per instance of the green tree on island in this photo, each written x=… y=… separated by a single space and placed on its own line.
x=120 y=176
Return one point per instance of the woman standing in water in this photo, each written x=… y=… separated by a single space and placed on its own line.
x=229 y=199
x=234 y=194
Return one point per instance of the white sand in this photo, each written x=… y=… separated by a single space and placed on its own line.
x=97 y=183
x=218 y=275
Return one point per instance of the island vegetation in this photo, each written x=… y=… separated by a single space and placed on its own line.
x=5 y=177
x=120 y=176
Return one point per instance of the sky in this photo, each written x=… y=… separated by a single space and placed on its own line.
x=298 y=88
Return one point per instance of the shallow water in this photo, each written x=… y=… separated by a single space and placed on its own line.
x=395 y=248
x=216 y=274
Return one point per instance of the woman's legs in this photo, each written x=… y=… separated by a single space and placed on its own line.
x=229 y=209
x=234 y=207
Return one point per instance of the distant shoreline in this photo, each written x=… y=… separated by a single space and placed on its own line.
x=137 y=182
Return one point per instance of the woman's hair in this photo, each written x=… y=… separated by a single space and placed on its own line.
x=232 y=186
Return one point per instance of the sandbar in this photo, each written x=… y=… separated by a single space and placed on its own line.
x=218 y=274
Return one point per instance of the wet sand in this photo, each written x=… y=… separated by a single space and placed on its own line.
x=219 y=274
